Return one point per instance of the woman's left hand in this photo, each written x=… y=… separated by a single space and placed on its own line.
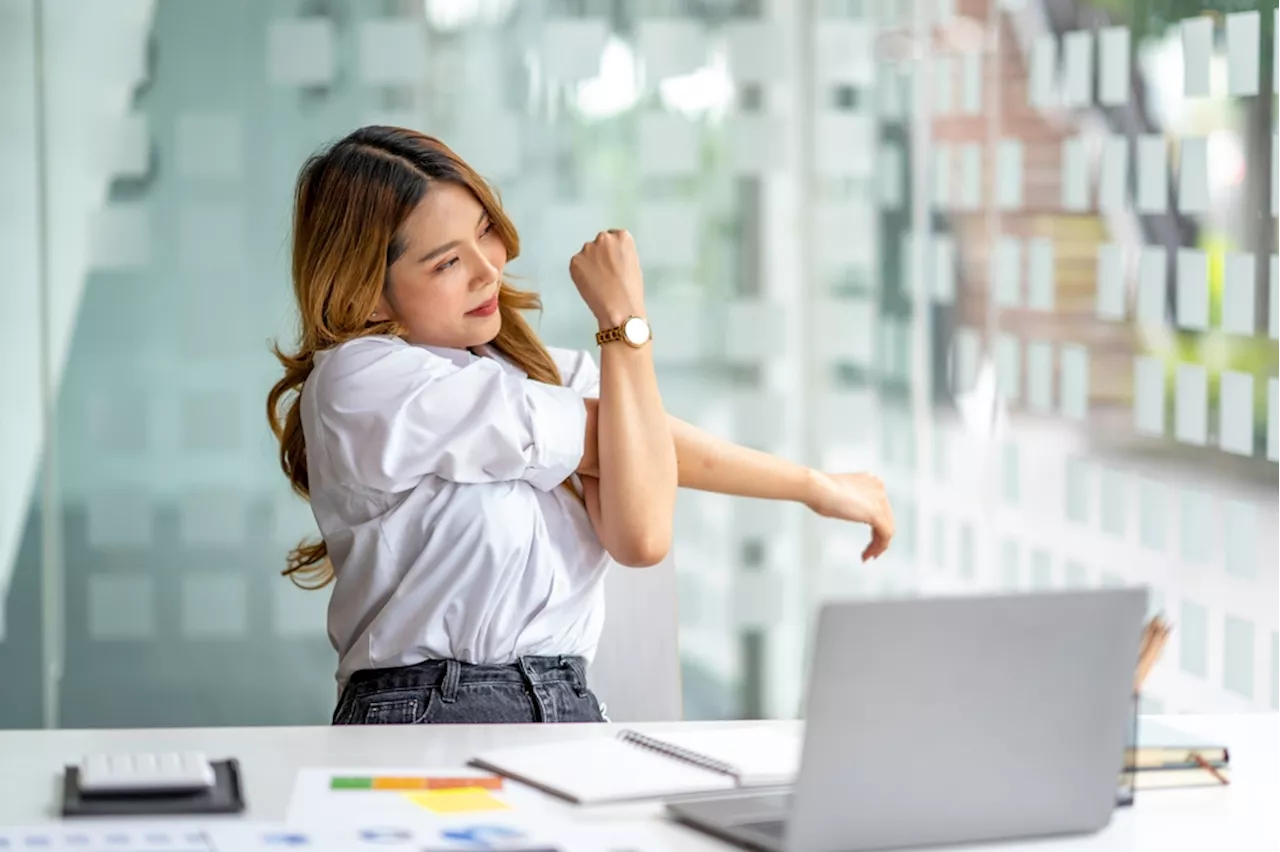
x=857 y=497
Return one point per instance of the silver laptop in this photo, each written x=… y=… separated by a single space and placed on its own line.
x=952 y=720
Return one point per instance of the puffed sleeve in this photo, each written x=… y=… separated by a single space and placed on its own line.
x=578 y=371
x=391 y=413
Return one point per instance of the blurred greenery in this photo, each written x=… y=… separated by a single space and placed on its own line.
x=1147 y=17
x=1216 y=350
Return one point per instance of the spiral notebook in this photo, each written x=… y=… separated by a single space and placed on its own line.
x=633 y=766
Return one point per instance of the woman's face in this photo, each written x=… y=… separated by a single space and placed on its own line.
x=444 y=286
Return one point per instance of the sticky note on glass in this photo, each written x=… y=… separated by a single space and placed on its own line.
x=942 y=176
x=572 y=48
x=845 y=232
x=944 y=269
x=668 y=233
x=1043 y=72
x=1194 y=510
x=1273 y=419
x=1114 y=173
x=1009 y=472
x=1237 y=652
x=845 y=143
x=491 y=142
x=1148 y=396
x=1075 y=175
x=1243 y=53
x=393 y=51
x=459 y=800
x=1275 y=172
x=1275 y=67
x=890 y=95
x=120 y=237
x=670 y=47
x=670 y=145
x=844 y=51
x=970 y=176
x=971 y=83
x=1040 y=273
x=1008 y=367
x=1193 y=289
x=1040 y=376
x=1077 y=58
x=1113 y=66
x=1113 y=488
x=1153 y=174
x=910 y=262
x=1110 y=282
x=1238 y=273
x=1079 y=486
x=1153 y=276
x=890 y=172
x=1006 y=266
x=1009 y=174
x=1152 y=512
x=301 y=51
x=1273 y=323
x=757 y=144
x=964 y=359
x=1235 y=413
x=1197 y=48
x=943 y=74
x=1191 y=416
x=756 y=54
x=1193 y=175
x=1075 y=381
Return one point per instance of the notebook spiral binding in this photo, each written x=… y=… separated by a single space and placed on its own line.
x=682 y=754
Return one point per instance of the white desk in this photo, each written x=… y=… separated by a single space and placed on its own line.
x=1244 y=816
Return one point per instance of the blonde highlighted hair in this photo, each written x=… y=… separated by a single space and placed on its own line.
x=349 y=204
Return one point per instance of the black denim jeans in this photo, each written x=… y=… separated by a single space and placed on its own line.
x=533 y=689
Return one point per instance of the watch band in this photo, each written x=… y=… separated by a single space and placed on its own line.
x=609 y=335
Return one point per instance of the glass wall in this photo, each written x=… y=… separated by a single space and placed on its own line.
x=1016 y=256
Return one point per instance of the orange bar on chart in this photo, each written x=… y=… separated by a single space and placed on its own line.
x=393 y=783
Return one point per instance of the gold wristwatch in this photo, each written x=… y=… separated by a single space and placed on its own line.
x=634 y=332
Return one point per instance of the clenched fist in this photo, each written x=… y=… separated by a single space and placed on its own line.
x=607 y=275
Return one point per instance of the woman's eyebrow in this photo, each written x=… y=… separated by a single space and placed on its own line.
x=439 y=250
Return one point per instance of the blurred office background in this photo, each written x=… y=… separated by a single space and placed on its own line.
x=1016 y=256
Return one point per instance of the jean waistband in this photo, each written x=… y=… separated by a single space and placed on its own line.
x=447 y=675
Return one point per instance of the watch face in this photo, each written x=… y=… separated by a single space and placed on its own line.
x=636 y=331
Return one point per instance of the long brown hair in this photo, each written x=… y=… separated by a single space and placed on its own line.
x=349 y=204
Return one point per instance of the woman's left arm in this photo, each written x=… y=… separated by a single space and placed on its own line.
x=707 y=463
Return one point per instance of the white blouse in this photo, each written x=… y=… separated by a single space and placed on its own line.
x=435 y=479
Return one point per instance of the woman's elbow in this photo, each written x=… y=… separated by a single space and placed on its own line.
x=641 y=551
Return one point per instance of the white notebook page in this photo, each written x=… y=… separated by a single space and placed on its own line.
x=761 y=756
x=601 y=770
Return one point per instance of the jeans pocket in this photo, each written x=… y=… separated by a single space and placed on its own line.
x=388 y=708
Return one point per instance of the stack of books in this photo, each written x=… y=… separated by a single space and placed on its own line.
x=1165 y=758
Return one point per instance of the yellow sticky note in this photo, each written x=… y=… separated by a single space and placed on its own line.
x=457 y=800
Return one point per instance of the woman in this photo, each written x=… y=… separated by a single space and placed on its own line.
x=471 y=485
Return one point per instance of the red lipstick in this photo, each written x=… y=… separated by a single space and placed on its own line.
x=488 y=309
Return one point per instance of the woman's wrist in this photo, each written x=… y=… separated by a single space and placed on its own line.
x=614 y=315
x=814 y=485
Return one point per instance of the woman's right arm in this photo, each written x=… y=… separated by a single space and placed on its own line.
x=636 y=455
x=391 y=413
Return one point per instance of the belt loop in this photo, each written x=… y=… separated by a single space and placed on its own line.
x=449 y=686
x=574 y=664
x=526 y=672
